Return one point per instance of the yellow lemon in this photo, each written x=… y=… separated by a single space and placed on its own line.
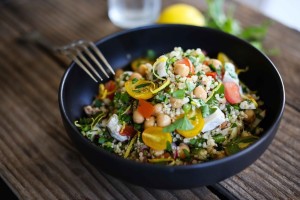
x=181 y=14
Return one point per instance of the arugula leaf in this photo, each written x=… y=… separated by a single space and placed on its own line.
x=180 y=124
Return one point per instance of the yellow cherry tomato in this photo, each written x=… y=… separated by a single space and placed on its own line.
x=197 y=121
x=223 y=58
x=155 y=138
x=140 y=89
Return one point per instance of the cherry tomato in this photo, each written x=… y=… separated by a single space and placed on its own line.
x=232 y=92
x=155 y=138
x=110 y=86
x=197 y=121
x=128 y=131
x=212 y=74
x=140 y=89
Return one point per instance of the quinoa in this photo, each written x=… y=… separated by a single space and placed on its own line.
x=184 y=108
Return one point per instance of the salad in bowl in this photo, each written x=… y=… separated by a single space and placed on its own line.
x=181 y=108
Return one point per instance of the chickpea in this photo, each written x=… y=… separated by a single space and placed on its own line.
x=135 y=75
x=181 y=148
x=176 y=103
x=149 y=122
x=118 y=73
x=181 y=69
x=163 y=120
x=142 y=69
x=250 y=116
x=200 y=93
x=157 y=109
x=138 y=117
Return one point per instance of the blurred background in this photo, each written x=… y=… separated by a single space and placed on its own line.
x=286 y=12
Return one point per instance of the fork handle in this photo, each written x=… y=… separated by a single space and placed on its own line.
x=37 y=38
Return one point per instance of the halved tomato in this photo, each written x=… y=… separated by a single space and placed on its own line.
x=140 y=89
x=197 y=121
x=155 y=138
x=232 y=92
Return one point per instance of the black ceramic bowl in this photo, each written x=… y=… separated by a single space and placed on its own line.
x=77 y=90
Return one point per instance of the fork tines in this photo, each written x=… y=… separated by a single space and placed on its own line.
x=86 y=54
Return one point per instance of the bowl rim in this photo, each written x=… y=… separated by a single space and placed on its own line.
x=206 y=164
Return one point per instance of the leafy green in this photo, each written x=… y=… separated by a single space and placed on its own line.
x=180 y=124
x=84 y=124
x=178 y=94
x=169 y=147
x=186 y=107
x=211 y=100
x=190 y=85
x=195 y=142
x=122 y=105
x=218 y=19
x=219 y=138
x=207 y=110
x=160 y=97
x=187 y=154
x=238 y=144
x=215 y=69
x=134 y=80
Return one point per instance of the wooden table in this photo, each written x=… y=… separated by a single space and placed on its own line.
x=38 y=160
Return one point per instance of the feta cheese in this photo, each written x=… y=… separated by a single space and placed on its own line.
x=213 y=120
x=160 y=66
x=230 y=75
x=114 y=128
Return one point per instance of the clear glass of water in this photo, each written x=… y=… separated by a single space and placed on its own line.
x=133 y=13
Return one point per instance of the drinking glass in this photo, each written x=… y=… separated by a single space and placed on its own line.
x=133 y=13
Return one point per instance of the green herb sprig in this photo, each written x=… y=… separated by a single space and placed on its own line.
x=217 y=18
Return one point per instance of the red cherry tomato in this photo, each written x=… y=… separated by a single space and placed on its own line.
x=110 y=86
x=128 y=131
x=212 y=74
x=232 y=92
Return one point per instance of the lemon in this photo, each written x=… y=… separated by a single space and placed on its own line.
x=181 y=14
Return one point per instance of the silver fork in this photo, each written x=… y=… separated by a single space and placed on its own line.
x=81 y=51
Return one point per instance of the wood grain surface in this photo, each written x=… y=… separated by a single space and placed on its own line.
x=38 y=160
